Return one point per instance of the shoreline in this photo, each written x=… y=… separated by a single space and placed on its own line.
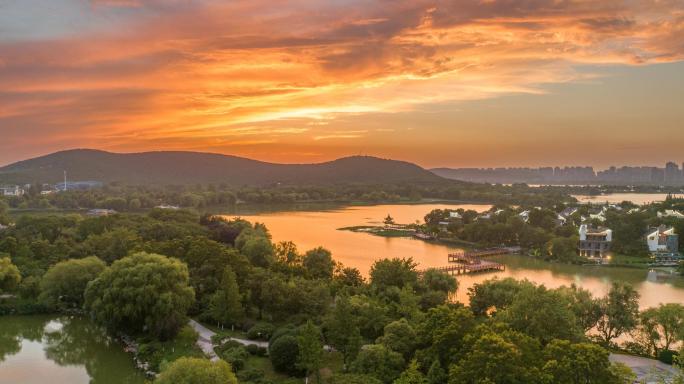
x=410 y=233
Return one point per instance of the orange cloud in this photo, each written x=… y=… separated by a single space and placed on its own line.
x=191 y=75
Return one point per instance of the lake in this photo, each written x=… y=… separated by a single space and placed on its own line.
x=61 y=350
x=309 y=229
x=614 y=198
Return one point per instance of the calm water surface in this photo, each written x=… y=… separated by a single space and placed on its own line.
x=636 y=198
x=61 y=350
x=360 y=250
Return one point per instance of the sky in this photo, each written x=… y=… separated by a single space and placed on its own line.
x=461 y=83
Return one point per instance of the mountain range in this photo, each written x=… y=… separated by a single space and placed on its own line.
x=178 y=168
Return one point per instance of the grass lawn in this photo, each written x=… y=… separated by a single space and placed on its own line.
x=263 y=364
x=630 y=261
x=157 y=353
x=332 y=363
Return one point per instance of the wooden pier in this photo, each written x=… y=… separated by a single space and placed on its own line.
x=465 y=262
x=462 y=269
x=479 y=253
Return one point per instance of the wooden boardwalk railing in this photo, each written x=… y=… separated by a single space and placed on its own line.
x=461 y=269
x=468 y=262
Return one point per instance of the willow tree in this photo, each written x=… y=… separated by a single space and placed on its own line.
x=142 y=293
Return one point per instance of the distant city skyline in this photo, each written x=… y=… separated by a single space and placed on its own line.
x=455 y=84
x=670 y=174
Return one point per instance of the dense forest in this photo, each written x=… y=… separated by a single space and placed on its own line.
x=143 y=275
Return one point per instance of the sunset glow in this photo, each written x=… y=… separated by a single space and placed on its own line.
x=435 y=82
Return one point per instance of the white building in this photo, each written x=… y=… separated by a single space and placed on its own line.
x=101 y=212
x=662 y=239
x=594 y=242
x=671 y=213
x=566 y=214
x=166 y=206
x=524 y=216
x=13 y=190
x=599 y=216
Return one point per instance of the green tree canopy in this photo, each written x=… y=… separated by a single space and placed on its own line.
x=495 y=294
x=399 y=337
x=582 y=363
x=112 y=245
x=64 y=284
x=564 y=248
x=4 y=208
x=310 y=350
x=619 y=312
x=662 y=326
x=351 y=378
x=542 y=313
x=411 y=375
x=350 y=277
x=319 y=263
x=585 y=307
x=443 y=330
x=142 y=292
x=494 y=358
x=342 y=331
x=226 y=306
x=378 y=361
x=284 y=354
x=10 y=277
x=393 y=273
x=258 y=250
x=436 y=280
x=188 y=370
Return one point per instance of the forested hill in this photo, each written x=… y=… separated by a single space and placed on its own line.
x=177 y=168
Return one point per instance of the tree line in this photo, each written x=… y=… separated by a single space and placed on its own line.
x=122 y=198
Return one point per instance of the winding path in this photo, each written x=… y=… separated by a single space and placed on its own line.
x=204 y=336
x=647 y=370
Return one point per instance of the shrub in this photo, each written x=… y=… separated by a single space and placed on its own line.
x=256 y=350
x=667 y=356
x=284 y=352
x=288 y=330
x=236 y=356
x=251 y=375
x=261 y=331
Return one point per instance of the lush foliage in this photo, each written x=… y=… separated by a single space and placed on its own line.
x=197 y=371
x=64 y=284
x=142 y=292
x=9 y=275
x=321 y=319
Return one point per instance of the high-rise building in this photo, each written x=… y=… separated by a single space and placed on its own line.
x=672 y=174
x=657 y=175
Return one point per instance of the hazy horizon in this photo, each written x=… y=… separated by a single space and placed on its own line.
x=441 y=84
x=596 y=168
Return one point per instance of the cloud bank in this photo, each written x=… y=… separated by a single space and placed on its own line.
x=137 y=74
